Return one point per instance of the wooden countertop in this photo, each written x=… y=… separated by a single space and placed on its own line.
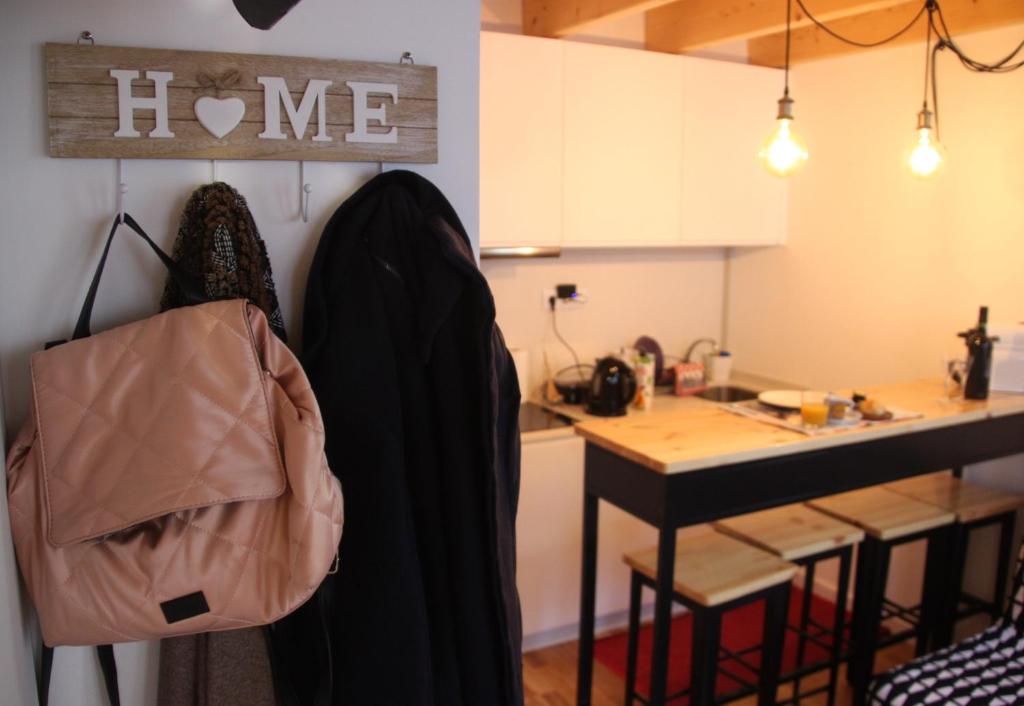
x=688 y=434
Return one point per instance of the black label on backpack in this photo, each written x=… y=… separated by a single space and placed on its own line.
x=184 y=607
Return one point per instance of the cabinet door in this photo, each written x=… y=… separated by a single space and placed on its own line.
x=727 y=196
x=623 y=146
x=549 y=541
x=549 y=528
x=520 y=140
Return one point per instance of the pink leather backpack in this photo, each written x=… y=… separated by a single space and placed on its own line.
x=171 y=477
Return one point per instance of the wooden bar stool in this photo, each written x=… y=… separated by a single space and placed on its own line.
x=889 y=520
x=714 y=574
x=975 y=506
x=805 y=537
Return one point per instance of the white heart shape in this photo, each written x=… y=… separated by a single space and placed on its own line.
x=219 y=115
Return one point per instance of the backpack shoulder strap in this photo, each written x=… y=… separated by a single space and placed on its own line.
x=107 y=664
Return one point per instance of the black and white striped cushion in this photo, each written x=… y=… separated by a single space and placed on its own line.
x=984 y=670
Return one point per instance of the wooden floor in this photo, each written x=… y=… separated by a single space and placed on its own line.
x=549 y=677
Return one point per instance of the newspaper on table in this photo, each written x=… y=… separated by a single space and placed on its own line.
x=790 y=419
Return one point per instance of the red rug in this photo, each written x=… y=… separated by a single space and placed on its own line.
x=741 y=628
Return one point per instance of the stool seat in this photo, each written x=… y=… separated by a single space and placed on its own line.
x=791 y=532
x=884 y=514
x=968 y=501
x=711 y=568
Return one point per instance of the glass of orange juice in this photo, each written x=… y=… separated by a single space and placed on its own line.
x=814 y=408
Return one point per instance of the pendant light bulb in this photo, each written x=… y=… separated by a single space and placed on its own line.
x=926 y=157
x=783 y=153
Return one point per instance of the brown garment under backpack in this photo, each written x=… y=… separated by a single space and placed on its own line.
x=219 y=243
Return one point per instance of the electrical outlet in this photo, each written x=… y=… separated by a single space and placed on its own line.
x=563 y=304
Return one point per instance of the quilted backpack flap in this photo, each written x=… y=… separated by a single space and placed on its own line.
x=162 y=415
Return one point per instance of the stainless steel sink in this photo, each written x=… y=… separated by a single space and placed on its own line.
x=727 y=393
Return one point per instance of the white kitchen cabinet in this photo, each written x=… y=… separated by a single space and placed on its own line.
x=590 y=146
x=727 y=196
x=520 y=140
x=549 y=535
x=623 y=146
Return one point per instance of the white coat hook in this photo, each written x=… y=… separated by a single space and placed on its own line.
x=304 y=191
x=213 y=171
x=122 y=189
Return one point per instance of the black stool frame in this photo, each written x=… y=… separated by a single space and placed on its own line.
x=955 y=595
x=869 y=606
x=707 y=633
x=803 y=627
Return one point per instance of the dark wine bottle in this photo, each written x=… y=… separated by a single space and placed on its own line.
x=979 y=358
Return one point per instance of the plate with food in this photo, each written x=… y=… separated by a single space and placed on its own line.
x=780 y=399
x=872 y=409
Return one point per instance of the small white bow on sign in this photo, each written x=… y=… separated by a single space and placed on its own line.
x=219 y=115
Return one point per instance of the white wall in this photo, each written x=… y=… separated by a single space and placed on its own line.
x=881 y=270
x=16 y=640
x=673 y=295
x=56 y=211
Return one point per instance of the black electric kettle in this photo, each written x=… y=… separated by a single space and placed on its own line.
x=612 y=388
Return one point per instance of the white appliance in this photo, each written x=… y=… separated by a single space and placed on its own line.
x=1008 y=358
x=521 y=359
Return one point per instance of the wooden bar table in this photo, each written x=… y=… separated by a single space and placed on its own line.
x=690 y=461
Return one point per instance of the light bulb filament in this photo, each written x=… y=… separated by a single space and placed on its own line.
x=783 y=153
x=926 y=155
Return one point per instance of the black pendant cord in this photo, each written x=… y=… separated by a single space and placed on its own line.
x=854 y=42
x=789 y=14
x=946 y=41
x=941 y=30
x=939 y=45
x=929 y=70
x=927 y=65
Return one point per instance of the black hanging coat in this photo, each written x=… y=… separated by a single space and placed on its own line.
x=420 y=401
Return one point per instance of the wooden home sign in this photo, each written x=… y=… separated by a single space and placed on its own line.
x=149 y=103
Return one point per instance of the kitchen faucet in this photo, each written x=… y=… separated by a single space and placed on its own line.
x=689 y=351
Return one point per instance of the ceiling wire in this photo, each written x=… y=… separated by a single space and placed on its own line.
x=941 y=30
x=789 y=14
x=865 y=45
x=1002 y=66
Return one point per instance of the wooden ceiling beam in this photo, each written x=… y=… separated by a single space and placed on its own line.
x=687 y=25
x=560 y=18
x=811 y=43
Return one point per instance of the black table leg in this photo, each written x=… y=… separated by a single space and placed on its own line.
x=588 y=588
x=839 y=622
x=862 y=665
x=776 y=609
x=864 y=551
x=636 y=589
x=804 y=625
x=943 y=579
x=1004 y=557
x=662 y=615
x=707 y=637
